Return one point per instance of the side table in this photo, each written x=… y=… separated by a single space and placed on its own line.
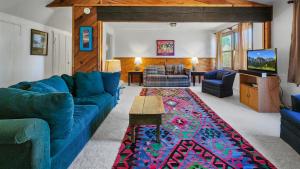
x=133 y=73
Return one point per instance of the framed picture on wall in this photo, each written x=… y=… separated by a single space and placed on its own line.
x=39 y=43
x=165 y=47
x=86 y=38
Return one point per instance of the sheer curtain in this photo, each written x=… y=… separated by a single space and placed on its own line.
x=219 y=50
x=244 y=43
x=294 y=66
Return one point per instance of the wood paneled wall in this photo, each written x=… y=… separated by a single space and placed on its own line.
x=86 y=61
x=127 y=64
x=267 y=35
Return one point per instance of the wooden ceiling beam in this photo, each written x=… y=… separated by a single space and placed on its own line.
x=183 y=3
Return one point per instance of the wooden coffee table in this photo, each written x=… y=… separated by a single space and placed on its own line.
x=146 y=110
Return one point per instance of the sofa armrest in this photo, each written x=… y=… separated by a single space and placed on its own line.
x=211 y=75
x=24 y=143
x=111 y=82
x=187 y=72
x=228 y=80
x=296 y=103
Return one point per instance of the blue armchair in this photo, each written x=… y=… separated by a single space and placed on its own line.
x=290 y=124
x=218 y=83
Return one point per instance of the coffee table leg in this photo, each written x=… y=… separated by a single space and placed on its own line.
x=133 y=134
x=158 y=133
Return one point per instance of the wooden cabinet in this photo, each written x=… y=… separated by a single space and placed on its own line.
x=260 y=94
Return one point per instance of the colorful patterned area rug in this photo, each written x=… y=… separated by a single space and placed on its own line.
x=193 y=136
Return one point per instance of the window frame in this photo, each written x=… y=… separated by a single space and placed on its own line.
x=231 y=33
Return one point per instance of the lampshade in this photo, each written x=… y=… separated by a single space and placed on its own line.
x=195 y=60
x=138 y=61
x=112 y=65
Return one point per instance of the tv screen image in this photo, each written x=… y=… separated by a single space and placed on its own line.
x=262 y=60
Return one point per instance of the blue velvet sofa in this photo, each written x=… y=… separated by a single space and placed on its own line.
x=45 y=124
x=218 y=83
x=290 y=124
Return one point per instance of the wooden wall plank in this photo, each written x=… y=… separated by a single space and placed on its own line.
x=267 y=26
x=85 y=61
x=184 y=14
x=127 y=64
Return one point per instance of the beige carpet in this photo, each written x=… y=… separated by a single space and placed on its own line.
x=260 y=129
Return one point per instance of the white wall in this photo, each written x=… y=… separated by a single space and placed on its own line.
x=16 y=63
x=188 y=43
x=258 y=36
x=107 y=30
x=281 y=39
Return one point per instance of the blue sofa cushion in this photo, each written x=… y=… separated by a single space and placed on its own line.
x=57 y=83
x=99 y=100
x=111 y=82
x=88 y=84
x=70 y=82
x=42 y=88
x=214 y=82
x=291 y=116
x=55 y=108
x=83 y=116
x=296 y=103
x=22 y=85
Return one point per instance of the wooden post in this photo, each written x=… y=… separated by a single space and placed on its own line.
x=267 y=33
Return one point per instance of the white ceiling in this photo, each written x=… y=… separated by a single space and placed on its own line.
x=200 y=26
x=61 y=18
x=36 y=10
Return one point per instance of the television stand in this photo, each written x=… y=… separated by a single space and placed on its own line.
x=260 y=94
x=256 y=73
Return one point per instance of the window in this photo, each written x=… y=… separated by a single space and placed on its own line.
x=227 y=50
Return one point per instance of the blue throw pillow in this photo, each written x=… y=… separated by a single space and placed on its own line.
x=70 y=82
x=42 y=88
x=55 y=108
x=111 y=82
x=57 y=83
x=88 y=84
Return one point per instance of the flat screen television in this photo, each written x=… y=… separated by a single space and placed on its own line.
x=264 y=60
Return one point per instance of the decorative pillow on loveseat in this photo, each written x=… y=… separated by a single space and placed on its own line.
x=88 y=84
x=55 y=108
x=111 y=82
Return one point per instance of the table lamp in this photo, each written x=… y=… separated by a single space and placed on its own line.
x=195 y=61
x=113 y=66
x=137 y=62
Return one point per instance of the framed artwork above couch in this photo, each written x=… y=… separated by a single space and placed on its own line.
x=165 y=47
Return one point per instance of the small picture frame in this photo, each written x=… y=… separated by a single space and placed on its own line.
x=86 y=38
x=39 y=43
x=165 y=47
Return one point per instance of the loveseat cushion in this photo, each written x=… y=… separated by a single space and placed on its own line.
x=156 y=78
x=88 y=84
x=169 y=69
x=41 y=88
x=55 y=108
x=111 y=82
x=100 y=100
x=83 y=116
x=177 y=77
x=214 y=82
x=57 y=83
x=178 y=69
x=291 y=116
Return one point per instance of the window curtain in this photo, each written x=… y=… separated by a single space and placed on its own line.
x=219 y=50
x=244 y=44
x=294 y=63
